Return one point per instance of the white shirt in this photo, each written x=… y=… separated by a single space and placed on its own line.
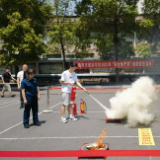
x=68 y=77
x=20 y=76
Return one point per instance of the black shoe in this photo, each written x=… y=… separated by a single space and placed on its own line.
x=26 y=126
x=37 y=124
x=2 y=96
x=13 y=95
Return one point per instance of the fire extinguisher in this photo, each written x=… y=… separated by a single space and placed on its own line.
x=73 y=95
x=83 y=106
x=72 y=99
x=74 y=109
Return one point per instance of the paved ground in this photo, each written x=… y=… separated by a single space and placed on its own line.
x=54 y=135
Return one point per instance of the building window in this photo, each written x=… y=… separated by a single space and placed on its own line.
x=50 y=68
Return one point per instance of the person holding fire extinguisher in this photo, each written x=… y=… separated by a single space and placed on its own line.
x=68 y=78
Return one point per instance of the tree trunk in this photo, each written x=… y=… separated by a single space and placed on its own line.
x=116 y=45
x=63 y=53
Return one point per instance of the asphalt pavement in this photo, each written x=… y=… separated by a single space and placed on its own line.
x=55 y=135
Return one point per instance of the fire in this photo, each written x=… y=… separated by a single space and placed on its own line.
x=99 y=140
x=98 y=145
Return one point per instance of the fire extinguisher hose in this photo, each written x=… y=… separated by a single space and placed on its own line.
x=82 y=89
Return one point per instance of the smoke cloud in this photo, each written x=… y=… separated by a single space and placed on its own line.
x=134 y=103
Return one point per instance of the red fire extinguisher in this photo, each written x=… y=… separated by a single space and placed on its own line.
x=72 y=99
x=73 y=94
x=83 y=107
x=74 y=109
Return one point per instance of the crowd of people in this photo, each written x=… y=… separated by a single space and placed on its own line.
x=30 y=93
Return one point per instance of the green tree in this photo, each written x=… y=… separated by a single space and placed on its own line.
x=151 y=12
x=19 y=36
x=52 y=50
x=107 y=17
x=105 y=46
x=38 y=11
x=143 y=50
x=23 y=24
x=62 y=28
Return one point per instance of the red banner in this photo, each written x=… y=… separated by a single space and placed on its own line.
x=75 y=153
x=116 y=64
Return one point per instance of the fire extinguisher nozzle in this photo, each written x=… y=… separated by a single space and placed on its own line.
x=87 y=92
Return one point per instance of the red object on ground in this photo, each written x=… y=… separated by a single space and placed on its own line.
x=95 y=89
x=100 y=89
x=92 y=157
x=82 y=107
x=113 y=120
x=80 y=153
x=73 y=95
x=74 y=109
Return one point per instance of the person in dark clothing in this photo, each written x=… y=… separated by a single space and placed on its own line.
x=31 y=95
x=6 y=77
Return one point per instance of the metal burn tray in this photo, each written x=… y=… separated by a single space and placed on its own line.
x=84 y=148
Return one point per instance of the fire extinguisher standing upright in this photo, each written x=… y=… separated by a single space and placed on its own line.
x=83 y=106
x=72 y=99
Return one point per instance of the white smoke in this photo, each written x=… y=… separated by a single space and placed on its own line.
x=134 y=103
